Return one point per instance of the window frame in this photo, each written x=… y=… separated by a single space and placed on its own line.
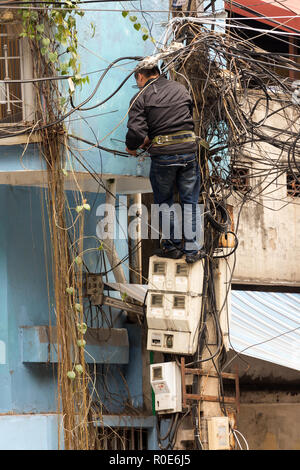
x=27 y=91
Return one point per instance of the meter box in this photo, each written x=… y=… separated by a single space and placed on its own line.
x=218 y=433
x=173 y=342
x=165 y=379
x=174 y=304
x=175 y=275
x=173 y=311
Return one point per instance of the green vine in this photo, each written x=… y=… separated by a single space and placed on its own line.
x=138 y=27
x=56 y=32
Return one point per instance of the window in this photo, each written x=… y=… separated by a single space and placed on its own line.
x=179 y=301
x=123 y=438
x=270 y=43
x=157 y=300
x=293 y=184
x=16 y=98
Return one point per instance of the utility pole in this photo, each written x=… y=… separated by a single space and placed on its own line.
x=206 y=382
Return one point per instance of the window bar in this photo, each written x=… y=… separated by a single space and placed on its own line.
x=140 y=439
x=6 y=78
x=123 y=439
x=115 y=442
x=132 y=446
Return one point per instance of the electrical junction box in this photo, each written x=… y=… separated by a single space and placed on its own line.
x=218 y=433
x=175 y=312
x=165 y=379
x=175 y=275
x=172 y=342
x=174 y=305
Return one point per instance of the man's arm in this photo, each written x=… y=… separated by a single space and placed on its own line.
x=145 y=144
x=137 y=127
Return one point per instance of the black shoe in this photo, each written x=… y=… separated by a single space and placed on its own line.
x=172 y=253
x=195 y=257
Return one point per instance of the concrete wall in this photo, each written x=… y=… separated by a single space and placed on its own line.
x=269 y=243
x=270 y=426
x=269 y=414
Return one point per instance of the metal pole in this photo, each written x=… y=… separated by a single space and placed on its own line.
x=5 y=47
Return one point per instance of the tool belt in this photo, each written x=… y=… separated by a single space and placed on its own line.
x=177 y=138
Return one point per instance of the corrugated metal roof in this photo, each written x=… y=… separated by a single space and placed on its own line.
x=136 y=291
x=266 y=325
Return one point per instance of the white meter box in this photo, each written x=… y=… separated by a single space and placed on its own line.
x=174 y=305
x=175 y=275
x=218 y=433
x=165 y=380
x=172 y=342
x=176 y=312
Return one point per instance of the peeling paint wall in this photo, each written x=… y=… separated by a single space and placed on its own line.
x=269 y=242
x=270 y=426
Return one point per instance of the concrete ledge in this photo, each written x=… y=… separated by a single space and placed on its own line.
x=103 y=346
x=127 y=421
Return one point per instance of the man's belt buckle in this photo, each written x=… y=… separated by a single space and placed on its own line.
x=163 y=139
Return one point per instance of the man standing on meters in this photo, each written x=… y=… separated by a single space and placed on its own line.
x=160 y=119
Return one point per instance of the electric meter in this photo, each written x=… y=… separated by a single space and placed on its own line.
x=218 y=433
x=165 y=380
x=175 y=275
x=172 y=342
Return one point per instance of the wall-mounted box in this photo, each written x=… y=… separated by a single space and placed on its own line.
x=165 y=380
x=218 y=433
x=174 y=305
x=172 y=342
x=175 y=275
x=175 y=312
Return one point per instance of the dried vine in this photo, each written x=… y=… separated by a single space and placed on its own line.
x=48 y=28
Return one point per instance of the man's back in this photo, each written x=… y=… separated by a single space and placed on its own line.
x=162 y=107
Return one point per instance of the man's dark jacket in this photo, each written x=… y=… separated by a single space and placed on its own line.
x=162 y=107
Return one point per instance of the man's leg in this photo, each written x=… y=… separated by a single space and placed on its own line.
x=189 y=183
x=163 y=179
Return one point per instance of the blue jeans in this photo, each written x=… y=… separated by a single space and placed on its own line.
x=183 y=171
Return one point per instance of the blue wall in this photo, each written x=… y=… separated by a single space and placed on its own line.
x=114 y=37
x=27 y=301
x=26 y=297
x=24 y=300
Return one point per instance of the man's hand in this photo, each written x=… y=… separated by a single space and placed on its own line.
x=146 y=143
x=131 y=152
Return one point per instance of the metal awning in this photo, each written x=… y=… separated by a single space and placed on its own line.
x=135 y=291
x=264 y=325
x=280 y=14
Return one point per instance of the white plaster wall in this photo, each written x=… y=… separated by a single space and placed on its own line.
x=269 y=224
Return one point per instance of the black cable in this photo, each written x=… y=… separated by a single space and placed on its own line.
x=236 y=243
x=99 y=83
x=78 y=107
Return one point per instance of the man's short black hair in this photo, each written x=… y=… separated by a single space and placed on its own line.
x=147 y=72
